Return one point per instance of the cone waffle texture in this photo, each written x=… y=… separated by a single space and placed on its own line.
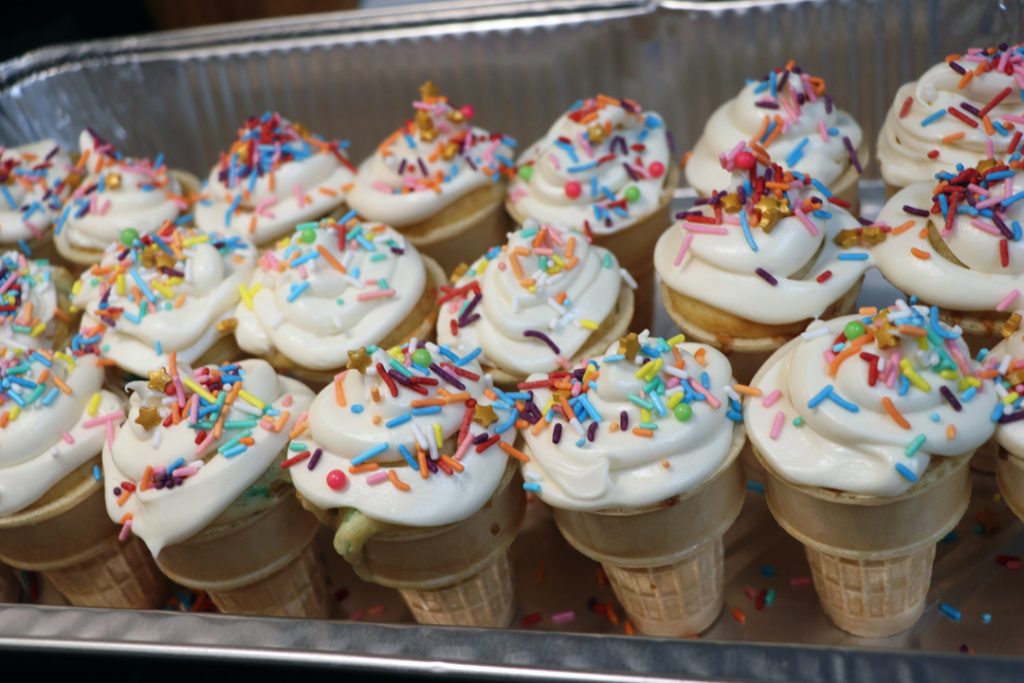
x=871 y=557
x=296 y=590
x=484 y=599
x=665 y=561
x=123 y=575
x=10 y=587
x=1010 y=477
x=684 y=597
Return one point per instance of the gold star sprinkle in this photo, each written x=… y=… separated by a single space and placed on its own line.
x=986 y=164
x=425 y=124
x=731 y=203
x=596 y=134
x=113 y=181
x=772 y=210
x=358 y=360
x=159 y=379
x=629 y=345
x=883 y=332
x=484 y=415
x=227 y=325
x=148 y=417
x=459 y=271
x=859 y=237
x=450 y=150
x=428 y=91
x=456 y=116
x=1011 y=325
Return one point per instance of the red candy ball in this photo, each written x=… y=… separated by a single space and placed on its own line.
x=656 y=169
x=572 y=189
x=468 y=111
x=745 y=160
x=336 y=479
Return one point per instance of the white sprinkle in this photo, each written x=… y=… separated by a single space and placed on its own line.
x=628 y=278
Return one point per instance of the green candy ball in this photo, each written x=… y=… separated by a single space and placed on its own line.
x=308 y=235
x=683 y=412
x=632 y=193
x=526 y=172
x=128 y=236
x=854 y=329
x=422 y=358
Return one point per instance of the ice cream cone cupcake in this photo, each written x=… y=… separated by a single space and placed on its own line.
x=406 y=456
x=439 y=180
x=1007 y=360
x=275 y=175
x=35 y=306
x=196 y=472
x=173 y=290
x=329 y=290
x=954 y=242
x=960 y=112
x=605 y=168
x=543 y=301
x=865 y=426
x=34 y=182
x=114 y=193
x=748 y=268
x=54 y=419
x=636 y=451
x=789 y=113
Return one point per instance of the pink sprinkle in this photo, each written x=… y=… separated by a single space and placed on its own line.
x=204 y=443
x=800 y=581
x=769 y=400
x=1007 y=300
x=463 y=447
x=286 y=401
x=807 y=222
x=712 y=401
x=563 y=617
x=705 y=229
x=554 y=162
x=381 y=186
x=68 y=439
x=193 y=411
x=563 y=363
x=978 y=189
x=1013 y=118
x=298 y=195
x=751 y=592
x=823 y=131
x=990 y=148
x=376 y=294
x=585 y=144
x=683 y=248
x=110 y=434
x=103 y=419
x=516 y=193
x=780 y=418
x=961 y=362
x=126 y=530
x=377 y=478
x=179 y=389
x=985 y=227
x=185 y=471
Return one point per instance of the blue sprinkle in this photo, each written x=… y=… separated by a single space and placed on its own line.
x=755 y=486
x=357 y=408
x=531 y=486
x=853 y=256
x=950 y=611
x=905 y=472
x=97 y=474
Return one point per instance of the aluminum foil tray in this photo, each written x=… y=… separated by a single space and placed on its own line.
x=352 y=75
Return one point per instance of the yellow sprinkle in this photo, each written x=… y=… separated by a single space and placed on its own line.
x=120 y=284
x=396 y=353
x=77 y=287
x=922 y=343
x=482 y=266
x=674 y=400
x=650 y=369
x=949 y=374
x=645 y=415
x=246 y=296
x=966 y=382
x=68 y=360
x=174 y=281
x=38 y=329
x=198 y=388
x=914 y=378
x=1011 y=397
x=438 y=435
x=15 y=412
x=162 y=288
x=251 y=400
x=94 y=404
x=188 y=242
x=588 y=324
x=678 y=339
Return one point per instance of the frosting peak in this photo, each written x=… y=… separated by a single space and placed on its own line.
x=29 y=302
x=33 y=186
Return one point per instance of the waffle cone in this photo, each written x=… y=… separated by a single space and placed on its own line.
x=1010 y=477
x=462 y=231
x=665 y=561
x=260 y=563
x=421 y=323
x=747 y=343
x=10 y=587
x=633 y=247
x=458 y=574
x=870 y=556
x=614 y=327
x=68 y=536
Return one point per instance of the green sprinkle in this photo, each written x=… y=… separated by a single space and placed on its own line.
x=526 y=172
x=683 y=412
x=915 y=445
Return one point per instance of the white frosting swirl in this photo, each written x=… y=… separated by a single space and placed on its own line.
x=346 y=426
x=208 y=477
x=810 y=138
x=544 y=280
x=274 y=176
x=33 y=184
x=846 y=438
x=168 y=293
x=911 y=132
x=429 y=163
x=60 y=427
x=659 y=454
x=317 y=296
x=116 y=193
x=789 y=273
x=1008 y=358
x=601 y=168
x=980 y=282
x=28 y=302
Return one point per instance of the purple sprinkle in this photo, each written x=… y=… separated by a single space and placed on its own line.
x=632 y=174
x=828 y=103
x=671 y=142
x=1007 y=233
x=864 y=221
x=401 y=167
x=447 y=376
x=556 y=433
x=766 y=104
x=400 y=378
x=544 y=338
x=431 y=465
x=914 y=211
x=619 y=141
x=968 y=107
x=591 y=431
x=480 y=438
x=423 y=167
x=741 y=194
x=957 y=68
x=470 y=163
x=314 y=459
x=1015 y=417
x=853 y=154
x=948 y=395
x=768 y=277
x=624 y=420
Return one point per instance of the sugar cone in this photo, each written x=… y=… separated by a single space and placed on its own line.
x=260 y=563
x=458 y=574
x=614 y=327
x=420 y=323
x=463 y=231
x=665 y=561
x=1010 y=477
x=10 y=587
x=68 y=536
x=871 y=556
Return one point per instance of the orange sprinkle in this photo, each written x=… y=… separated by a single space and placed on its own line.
x=850 y=349
x=953 y=137
x=282 y=420
x=460 y=397
x=965 y=79
x=329 y=257
x=247 y=440
x=375 y=394
x=738 y=615
x=377 y=419
x=426 y=402
x=868 y=310
x=513 y=451
x=666 y=464
x=453 y=463
x=64 y=388
x=566 y=409
x=950 y=432
x=902 y=227
x=399 y=484
x=700 y=356
x=539 y=427
x=920 y=253
x=629 y=628
x=923 y=234
x=911 y=331
x=686 y=158
x=339 y=391
x=147 y=478
x=613 y=616
x=104 y=362
x=894 y=413
x=172 y=363
x=365 y=467
x=123 y=498
x=746 y=390
x=299 y=427
x=988 y=125
x=639 y=431
x=421 y=458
